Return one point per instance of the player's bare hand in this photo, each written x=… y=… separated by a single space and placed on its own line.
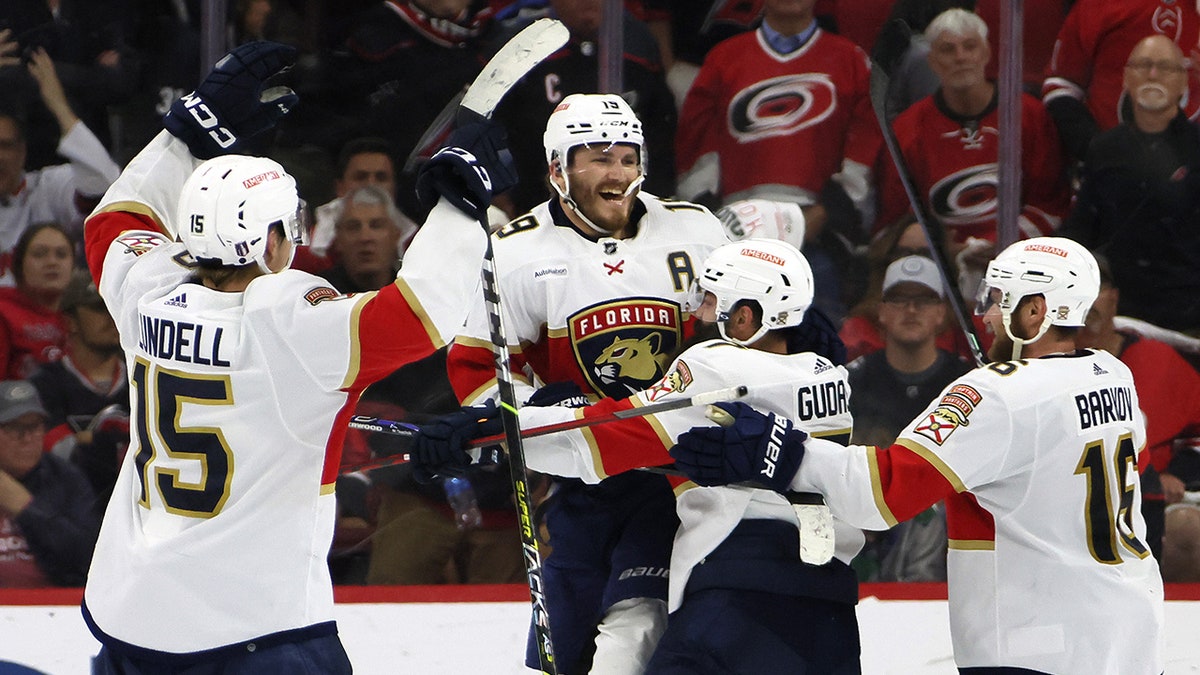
x=10 y=51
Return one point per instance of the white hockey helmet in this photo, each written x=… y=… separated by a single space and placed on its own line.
x=773 y=273
x=592 y=119
x=1059 y=269
x=228 y=205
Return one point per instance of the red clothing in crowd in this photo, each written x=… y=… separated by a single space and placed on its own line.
x=30 y=334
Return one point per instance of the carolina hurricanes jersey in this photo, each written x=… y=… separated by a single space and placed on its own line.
x=1037 y=460
x=780 y=123
x=954 y=165
x=223 y=512
x=605 y=313
x=806 y=388
x=1089 y=56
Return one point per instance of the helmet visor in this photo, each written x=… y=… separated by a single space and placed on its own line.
x=986 y=297
x=295 y=226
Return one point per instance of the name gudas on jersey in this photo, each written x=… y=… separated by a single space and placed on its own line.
x=182 y=341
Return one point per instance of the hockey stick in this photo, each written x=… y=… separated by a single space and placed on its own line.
x=932 y=227
x=516 y=58
x=375 y=424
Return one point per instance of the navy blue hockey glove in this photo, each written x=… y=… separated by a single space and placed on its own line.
x=230 y=106
x=439 y=448
x=818 y=334
x=473 y=166
x=754 y=447
x=562 y=394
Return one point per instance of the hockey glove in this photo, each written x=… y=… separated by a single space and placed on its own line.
x=562 y=394
x=818 y=334
x=473 y=166
x=753 y=447
x=230 y=105
x=439 y=448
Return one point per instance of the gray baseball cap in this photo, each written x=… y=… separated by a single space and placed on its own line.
x=18 y=397
x=917 y=269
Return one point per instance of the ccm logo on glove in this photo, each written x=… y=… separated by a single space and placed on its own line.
x=207 y=120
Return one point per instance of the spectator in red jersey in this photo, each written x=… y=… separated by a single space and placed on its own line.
x=32 y=329
x=951 y=144
x=782 y=113
x=47 y=526
x=1169 y=391
x=1083 y=87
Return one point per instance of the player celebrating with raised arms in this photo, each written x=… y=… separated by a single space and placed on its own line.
x=212 y=555
x=754 y=584
x=1036 y=458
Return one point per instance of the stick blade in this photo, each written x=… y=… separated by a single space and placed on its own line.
x=516 y=58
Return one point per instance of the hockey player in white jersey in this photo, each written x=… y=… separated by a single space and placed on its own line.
x=212 y=554
x=592 y=284
x=753 y=588
x=1036 y=458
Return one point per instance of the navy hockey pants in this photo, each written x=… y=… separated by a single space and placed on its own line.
x=609 y=542
x=315 y=656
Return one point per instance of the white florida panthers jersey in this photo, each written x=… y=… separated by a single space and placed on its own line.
x=1037 y=459
x=805 y=388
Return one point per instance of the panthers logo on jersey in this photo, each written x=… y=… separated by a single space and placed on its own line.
x=624 y=346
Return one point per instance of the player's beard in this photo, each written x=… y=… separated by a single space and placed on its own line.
x=610 y=215
x=1152 y=96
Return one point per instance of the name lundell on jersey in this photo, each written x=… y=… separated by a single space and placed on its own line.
x=182 y=341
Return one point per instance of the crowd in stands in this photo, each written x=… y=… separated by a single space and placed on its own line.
x=760 y=100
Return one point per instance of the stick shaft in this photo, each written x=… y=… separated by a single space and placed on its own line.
x=931 y=226
x=408 y=430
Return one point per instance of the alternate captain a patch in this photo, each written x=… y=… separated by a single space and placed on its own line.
x=623 y=346
x=952 y=412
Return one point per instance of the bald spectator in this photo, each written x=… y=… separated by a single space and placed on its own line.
x=1083 y=87
x=1139 y=198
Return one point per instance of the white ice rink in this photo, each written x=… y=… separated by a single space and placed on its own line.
x=900 y=637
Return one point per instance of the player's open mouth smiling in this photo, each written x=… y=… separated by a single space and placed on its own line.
x=612 y=195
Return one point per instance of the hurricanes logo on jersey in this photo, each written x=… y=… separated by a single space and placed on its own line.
x=622 y=346
x=781 y=105
x=966 y=197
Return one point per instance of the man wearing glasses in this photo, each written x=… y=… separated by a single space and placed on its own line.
x=1139 y=198
x=47 y=524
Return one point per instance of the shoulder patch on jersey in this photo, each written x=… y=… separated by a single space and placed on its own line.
x=140 y=243
x=938 y=426
x=320 y=294
x=677 y=380
x=952 y=412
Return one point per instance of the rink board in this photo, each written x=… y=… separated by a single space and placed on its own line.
x=481 y=629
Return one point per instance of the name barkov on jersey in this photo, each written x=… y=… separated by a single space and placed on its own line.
x=181 y=341
x=1104 y=406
